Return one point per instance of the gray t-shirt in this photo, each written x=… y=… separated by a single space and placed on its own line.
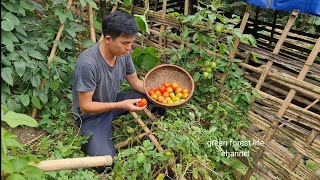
x=93 y=74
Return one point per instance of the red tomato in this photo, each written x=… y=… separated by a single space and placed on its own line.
x=142 y=102
x=174 y=85
x=151 y=92
x=162 y=89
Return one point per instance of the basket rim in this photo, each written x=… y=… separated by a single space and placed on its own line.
x=169 y=105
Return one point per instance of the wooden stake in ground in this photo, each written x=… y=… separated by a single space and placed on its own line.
x=51 y=57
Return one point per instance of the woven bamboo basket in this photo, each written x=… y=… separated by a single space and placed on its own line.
x=168 y=73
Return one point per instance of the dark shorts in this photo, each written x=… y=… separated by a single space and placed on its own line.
x=100 y=126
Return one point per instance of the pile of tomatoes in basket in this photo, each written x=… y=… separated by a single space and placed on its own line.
x=169 y=93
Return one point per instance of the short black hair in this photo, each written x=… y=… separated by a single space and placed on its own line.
x=119 y=23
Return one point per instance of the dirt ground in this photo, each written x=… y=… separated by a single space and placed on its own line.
x=25 y=134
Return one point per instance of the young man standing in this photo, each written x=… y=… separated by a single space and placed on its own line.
x=97 y=78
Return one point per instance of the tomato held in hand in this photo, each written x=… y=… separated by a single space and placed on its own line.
x=142 y=102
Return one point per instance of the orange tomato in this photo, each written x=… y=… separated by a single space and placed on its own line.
x=185 y=91
x=158 y=93
x=166 y=84
x=178 y=90
x=160 y=98
x=169 y=89
x=165 y=94
x=174 y=85
x=185 y=95
x=164 y=101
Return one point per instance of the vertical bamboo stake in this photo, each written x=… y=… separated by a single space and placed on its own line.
x=236 y=44
x=163 y=16
x=51 y=57
x=92 y=31
x=186 y=7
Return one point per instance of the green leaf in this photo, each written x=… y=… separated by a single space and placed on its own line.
x=10 y=140
x=37 y=55
x=59 y=60
x=147 y=167
x=255 y=57
x=248 y=96
x=25 y=99
x=15 y=177
x=7 y=25
x=140 y=157
x=212 y=17
x=19 y=163
x=12 y=18
x=83 y=3
x=20 y=67
x=6 y=75
x=142 y=23
x=127 y=2
x=32 y=172
x=93 y=4
x=16 y=119
x=43 y=97
x=196 y=76
x=160 y=177
x=195 y=173
x=35 y=101
x=10 y=36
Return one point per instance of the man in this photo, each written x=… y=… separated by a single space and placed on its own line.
x=97 y=78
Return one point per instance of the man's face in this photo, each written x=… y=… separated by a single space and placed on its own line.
x=120 y=45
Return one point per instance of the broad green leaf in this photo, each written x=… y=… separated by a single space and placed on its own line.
x=16 y=176
x=196 y=76
x=6 y=75
x=93 y=4
x=33 y=173
x=195 y=173
x=8 y=43
x=37 y=55
x=248 y=96
x=140 y=157
x=212 y=17
x=10 y=140
x=9 y=35
x=127 y=2
x=25 y=99
x=20 y=67
x=83 y=3
x=12 y=18
x=59 y=60
x=147 y=167
x=7 y=25
x=35 y=101
x=149 y=61
x=88 y=43
x=19 y=163
x=43 y=97
x=16 y=119
x=142 y=23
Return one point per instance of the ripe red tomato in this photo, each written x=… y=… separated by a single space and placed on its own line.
x=142 y=102
x=151 y=92
x=174 y=85
x=162 y=89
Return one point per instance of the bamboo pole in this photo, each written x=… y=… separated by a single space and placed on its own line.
x=186 y=7
x=235 y=48
x=51 y=56
x=92 y=31
x=73 y=163
x=163 y=16
x=126 y=142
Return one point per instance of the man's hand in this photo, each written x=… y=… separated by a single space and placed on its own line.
x=132 y=105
